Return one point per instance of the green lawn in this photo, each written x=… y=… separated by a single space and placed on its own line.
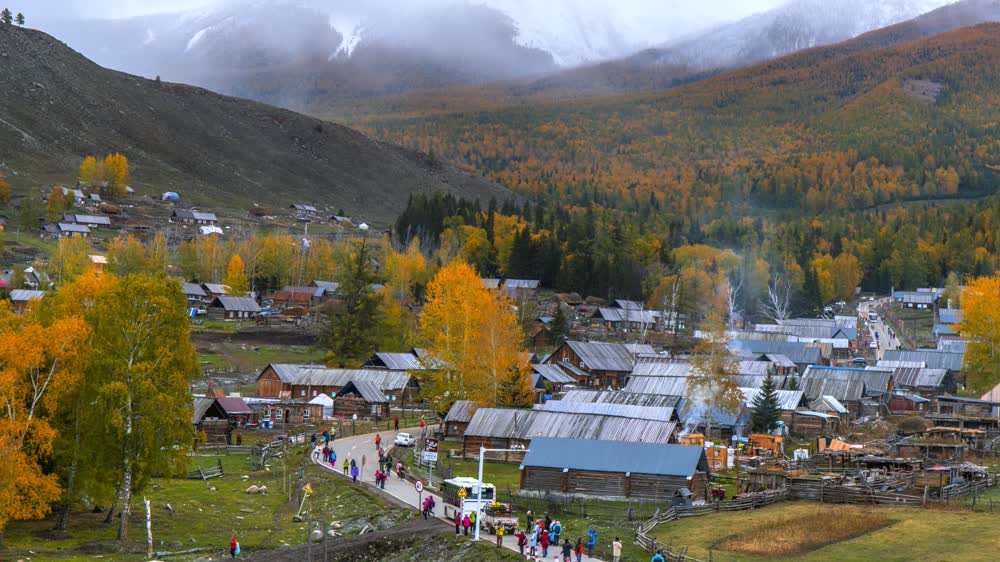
x=206 y=518
x=927 y=535
x=502 y=475
x=246 y=358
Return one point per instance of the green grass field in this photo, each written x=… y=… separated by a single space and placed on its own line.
x=912 y=534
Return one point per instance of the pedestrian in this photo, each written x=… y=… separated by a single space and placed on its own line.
x=333 y=433
x=326 y=437
x=658 y=557
x=426 y=507
x=567 y=551
x=578 y=549
x=592 y=542
x=616 y=550
x=421 y=422
x=533 y=543
x=458 y=523
x=347 y=467
x=326 y=453
x=399 y=471
x=333 y=459
x=556 y=532
x=527 y=517
x=378 y=441
x=499 y=536
x=234 y=547
x=395 y=423
x=465 y=525
x=472 y=519
x=312 y=439
x=354 y=471
x=522 y=540
x=548 y=522
x=545 y=539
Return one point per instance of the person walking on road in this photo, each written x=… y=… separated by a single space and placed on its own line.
x=395 y=423
x=333 y=459
x=591 y=543
x=556 y=532
x=545 y=540
x=354 y=472
x=522 y=541
x=347 y=467
x=578 y=549
x=499 y=536
x=458 y=523
x=533 y=543
x=567 y=551
x=616 y=550
x=378 y=441
x=465 y=525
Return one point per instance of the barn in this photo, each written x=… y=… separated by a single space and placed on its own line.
x=458 y=418
x=614 y=469
x=361 y=397
x=275 y=381
x=233 y=308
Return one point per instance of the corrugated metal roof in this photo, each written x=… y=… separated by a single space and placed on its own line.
x=288 y=371
x=195 y=215
x=396 y=361
x=787 y=399
x=461 y=411
x=622 y=397
x=756 y=381
x=552 y=373
x=491 y=283
x=69 y=227
x=616 y=457
x=759 y=368
x=328 y=286
x=193 y=289
x=797 y=352
x=628 y=305
x=603 y=356
x=932 y=358
x=843 y=383
x=529 y=424
x=949 y=315
x=919 y=378
x=201 y=405
x=22 y=295
x=572 y=369
x=900 y=364
x=662 y=369
x=521 y=283
x=216 y=288
x=618 y=410
x=233 y=405
x=623 y=315
x=367 y=389
x=672 y=386
x=828 y=403
x=237 y=304
x=383 y=379
x=701 y=413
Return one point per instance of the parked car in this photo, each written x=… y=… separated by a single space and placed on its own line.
x=405 y=440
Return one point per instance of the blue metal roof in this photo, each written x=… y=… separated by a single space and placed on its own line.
x=616 y=456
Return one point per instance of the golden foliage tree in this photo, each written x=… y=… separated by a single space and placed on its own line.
x=89 y=174
x=4 y=190
x=981 y=326
x=474 y=337
x=56 y=204
x=70 y=259
x=39 y=364
x=236 y=277
x=116 y=174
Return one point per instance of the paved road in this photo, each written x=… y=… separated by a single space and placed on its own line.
x=364 y=445
x=885 y=342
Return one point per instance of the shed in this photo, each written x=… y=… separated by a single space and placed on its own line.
x=20 y=299
x=326 y=402
x=233 y=308
x=614 y=469
x=807 y=423
x=394 y=361
x=458 y=418
x=361 y=397
x=555 y=376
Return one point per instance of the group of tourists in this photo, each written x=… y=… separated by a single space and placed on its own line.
x=464 y=522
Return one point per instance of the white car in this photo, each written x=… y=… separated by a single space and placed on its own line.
x=405 y=440
x=873 y=345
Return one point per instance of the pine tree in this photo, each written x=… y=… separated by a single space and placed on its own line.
x=20 y=19
x=765 y=410
x=559 y=327
x=6 y=17
x=793 y=383
x=352 y=329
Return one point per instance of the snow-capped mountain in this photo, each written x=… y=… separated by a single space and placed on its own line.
x=797 y=25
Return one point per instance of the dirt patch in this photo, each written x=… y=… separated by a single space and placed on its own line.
x=924 y=91
x=790 y=536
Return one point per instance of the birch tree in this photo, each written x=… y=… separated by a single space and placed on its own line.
x=779 y=298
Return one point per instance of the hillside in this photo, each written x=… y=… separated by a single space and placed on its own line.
x=56 y=107
x=848 y=126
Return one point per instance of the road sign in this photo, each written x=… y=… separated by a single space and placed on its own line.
x=419 y=486
x=430 y=450
x=461 y=492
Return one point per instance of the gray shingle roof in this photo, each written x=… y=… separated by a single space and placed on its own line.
x=618 y=410
x=552 y=373
x=193 y=290
x=787 y=399
x=22 y=295
x=367 y=389
x=932 y=358
x=671 y=386
x=461 y=411
x=69 y=227
x=844 y=384
x=383 y=379
x=195 y=215
x=328 y=286
x=797 y=352
x=919 y=378
x=529 y=424
x=617 y=457
x=236 y=304
x=395 y=361
x=662 y=369
x=622 y=397
x=288 y=371
x=603 y=356
x=201 y=405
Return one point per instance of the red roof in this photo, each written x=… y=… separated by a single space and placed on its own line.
x=233 y=406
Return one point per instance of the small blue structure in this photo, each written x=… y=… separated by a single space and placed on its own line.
x=170 y=196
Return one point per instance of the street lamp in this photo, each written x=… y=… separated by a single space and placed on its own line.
x=479 y=492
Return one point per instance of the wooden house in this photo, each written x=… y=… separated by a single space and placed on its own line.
x=275 y=380
x=289 y=412
x=394 y=361
x=296 y=297
x=550 y=373
x=904 y=403
x=508 y=428
x=91 y=221
x=190 y=216
x=971 y=413
x=218 y=417
x=615 y=469
x=521 y=289
x=605 y=364
x=70 y=230
x=196 y=294
x=808 y=423
x=215 y=290
x=458 y=418
x=398 y=386
x=21 y=299
x=304 y=210
x=233 y=308
x=363 y=398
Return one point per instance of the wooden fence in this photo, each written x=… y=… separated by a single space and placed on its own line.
x=207 y=473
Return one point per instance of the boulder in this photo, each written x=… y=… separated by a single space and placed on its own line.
x=253 y=490
x=263 y=489
x=246 y=510
x=316 y=535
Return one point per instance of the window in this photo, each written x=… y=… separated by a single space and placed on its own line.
x=305 y=415
x=277 y=414
x=302 y=392
x=314 y=393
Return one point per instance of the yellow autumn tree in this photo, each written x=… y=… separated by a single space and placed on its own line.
x=981 y=327
x=474 y=338
x=116 y=174
x=236 y=277
x=4 y=190
x=89 y=174
x=40 y=363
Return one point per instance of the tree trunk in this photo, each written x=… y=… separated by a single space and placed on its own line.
x=114 y=503
x=70 y=480
x=126 y=497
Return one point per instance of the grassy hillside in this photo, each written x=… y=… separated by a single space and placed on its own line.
x=848 y=126
x=56 y=107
